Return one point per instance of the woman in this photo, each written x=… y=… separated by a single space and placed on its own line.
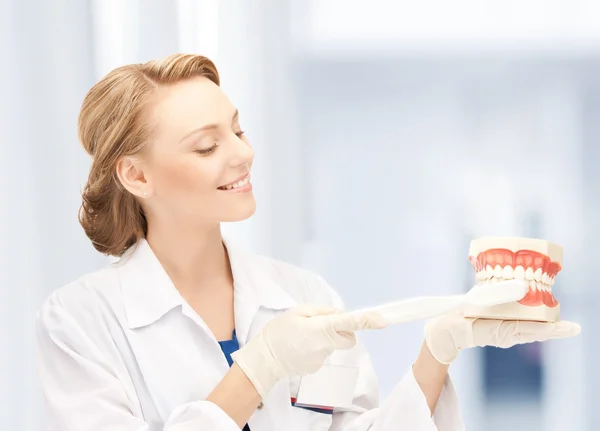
x=187 y=332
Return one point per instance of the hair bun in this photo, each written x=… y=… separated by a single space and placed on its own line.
x=112 y=125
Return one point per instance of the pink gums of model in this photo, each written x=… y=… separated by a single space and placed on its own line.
x=532 y=260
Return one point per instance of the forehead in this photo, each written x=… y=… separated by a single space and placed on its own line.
x=190 y=104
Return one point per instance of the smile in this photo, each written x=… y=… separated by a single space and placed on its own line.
x=239 y=185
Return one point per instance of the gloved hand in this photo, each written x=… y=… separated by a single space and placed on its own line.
x=297 y=342
x=449 y=334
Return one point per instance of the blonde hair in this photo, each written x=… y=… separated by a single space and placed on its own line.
x=112 y=125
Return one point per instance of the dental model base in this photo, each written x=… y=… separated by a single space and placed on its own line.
x=481 y=295
x=534 y=261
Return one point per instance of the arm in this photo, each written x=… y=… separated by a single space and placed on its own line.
x=83 y=393
x=409 y=406
x=236 y=396
x=423 y=400
x=430 y=375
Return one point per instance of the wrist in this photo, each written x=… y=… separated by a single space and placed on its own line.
x=430 y=375
x=256 y=361
x=236 y=396
x=440 y=344
x=426 y=361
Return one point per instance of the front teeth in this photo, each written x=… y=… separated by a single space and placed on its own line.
x=529 y=274
x=239 y=184
x=520 y=272
x=537 y=279
x=498 y=271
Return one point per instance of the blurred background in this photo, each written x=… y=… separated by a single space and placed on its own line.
x=387 y=136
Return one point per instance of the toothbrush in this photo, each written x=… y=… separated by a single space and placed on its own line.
x=484 y=295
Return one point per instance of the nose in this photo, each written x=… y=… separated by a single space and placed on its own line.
x=241 y=153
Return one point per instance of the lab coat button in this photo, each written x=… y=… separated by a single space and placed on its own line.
x=261 y=405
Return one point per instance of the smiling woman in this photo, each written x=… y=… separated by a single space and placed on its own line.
x=165 y=140
x=183 y=332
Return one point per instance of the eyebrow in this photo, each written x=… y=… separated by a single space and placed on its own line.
x=212 y=126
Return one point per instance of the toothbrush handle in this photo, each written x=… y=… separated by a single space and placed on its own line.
x=414 y=308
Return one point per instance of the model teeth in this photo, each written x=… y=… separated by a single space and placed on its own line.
x=536 y=285
x=519 y=272
x=498 y=271
x=529 y=274
x=239 y=184
x=537 y=279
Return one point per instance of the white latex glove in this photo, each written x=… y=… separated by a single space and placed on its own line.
x=297 y=342
x=449 y=334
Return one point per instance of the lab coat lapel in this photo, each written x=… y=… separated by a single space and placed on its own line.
x=148 y=292
x=257 y=294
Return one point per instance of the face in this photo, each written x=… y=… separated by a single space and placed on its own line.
x=197 y=169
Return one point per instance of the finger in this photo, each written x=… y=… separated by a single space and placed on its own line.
x=565 y=329
x=530 y=327
x=347 y=322
x=372 y=320
x=343 y=322
x=344 y=340
x=539 y=331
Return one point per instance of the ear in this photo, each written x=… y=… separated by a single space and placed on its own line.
x=131 y=175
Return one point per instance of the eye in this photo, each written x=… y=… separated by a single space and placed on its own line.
x=240 y=134
x=207 y=151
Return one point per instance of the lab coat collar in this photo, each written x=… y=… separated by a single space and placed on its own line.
x=148 y=292
x=255 y=287
x=253 y=275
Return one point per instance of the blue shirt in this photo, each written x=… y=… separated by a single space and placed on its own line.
x=228 y=347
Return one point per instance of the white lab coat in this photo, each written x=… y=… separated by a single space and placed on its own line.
x=120 y=350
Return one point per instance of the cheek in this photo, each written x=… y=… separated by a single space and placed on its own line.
x=183 y=176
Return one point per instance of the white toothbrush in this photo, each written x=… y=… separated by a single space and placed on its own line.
x=488 y=294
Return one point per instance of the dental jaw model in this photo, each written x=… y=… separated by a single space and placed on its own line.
x=504 y=258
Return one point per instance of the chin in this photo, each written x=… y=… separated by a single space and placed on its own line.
x=239 y=212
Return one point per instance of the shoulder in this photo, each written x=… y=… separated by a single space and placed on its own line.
x=304 y=285
x=85 y=300
x=83 y=321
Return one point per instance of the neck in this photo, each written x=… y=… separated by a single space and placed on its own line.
x=192 y=259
